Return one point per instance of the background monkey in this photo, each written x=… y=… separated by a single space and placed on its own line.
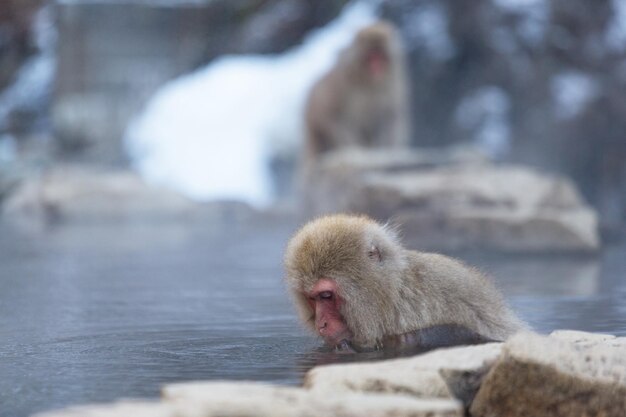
x=356 y=286
x=363 y=100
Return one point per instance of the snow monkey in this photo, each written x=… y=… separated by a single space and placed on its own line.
x=359 y=289
x=363 y=100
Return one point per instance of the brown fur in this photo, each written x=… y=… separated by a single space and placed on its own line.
x=396 y=291
x=347 y=108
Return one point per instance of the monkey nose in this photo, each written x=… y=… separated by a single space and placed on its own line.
x=323 y=326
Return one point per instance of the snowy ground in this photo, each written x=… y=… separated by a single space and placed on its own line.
x=210 y=134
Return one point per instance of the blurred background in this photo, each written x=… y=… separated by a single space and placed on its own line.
x=532 y=81
x=149 y=156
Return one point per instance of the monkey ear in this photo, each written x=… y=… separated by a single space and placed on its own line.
x=374 y=253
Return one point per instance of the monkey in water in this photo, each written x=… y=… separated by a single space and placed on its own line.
x=363 y=100
x=358 y=288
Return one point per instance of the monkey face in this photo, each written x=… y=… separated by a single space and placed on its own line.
x=342 y=272
x=325 y=302
x=373 y=46
x=376 y=62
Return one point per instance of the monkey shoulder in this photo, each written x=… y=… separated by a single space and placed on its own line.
x=440 y=271
x=435 y=263
x=472 y=300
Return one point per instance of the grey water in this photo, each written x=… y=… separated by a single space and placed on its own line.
x=97 y=311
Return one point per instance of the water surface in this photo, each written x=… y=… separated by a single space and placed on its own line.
x=93 y=312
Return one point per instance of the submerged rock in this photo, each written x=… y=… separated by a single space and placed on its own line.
x=459 y=206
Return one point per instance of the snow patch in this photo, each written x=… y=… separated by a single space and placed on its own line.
x=427 y=26
x=572 y=91
x=616 y=32
x=534 y=18
x=8 y=148
x=518 y=5
x=210 y=134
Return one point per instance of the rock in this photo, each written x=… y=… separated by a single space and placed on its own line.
x=460 y=206
x=343 y=170
x=584 y=338
x=243 y=399
x=547 y=376
x=420 y=376
x=70 y=193
x=119 y=409
x=587 y=339
x=464 y=384
x=251 y=399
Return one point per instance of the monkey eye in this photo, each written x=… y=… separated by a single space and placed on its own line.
x=326 y=295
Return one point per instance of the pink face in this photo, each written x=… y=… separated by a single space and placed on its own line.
x=325 y=303
x=377 y=63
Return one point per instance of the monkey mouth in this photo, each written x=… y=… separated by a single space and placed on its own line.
x=377 y=63
x=343 y=337
x=344 y=346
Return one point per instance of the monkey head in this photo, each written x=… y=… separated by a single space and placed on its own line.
x=375 y=50
x=343 y=273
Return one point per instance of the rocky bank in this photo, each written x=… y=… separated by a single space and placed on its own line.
x=567 y=373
